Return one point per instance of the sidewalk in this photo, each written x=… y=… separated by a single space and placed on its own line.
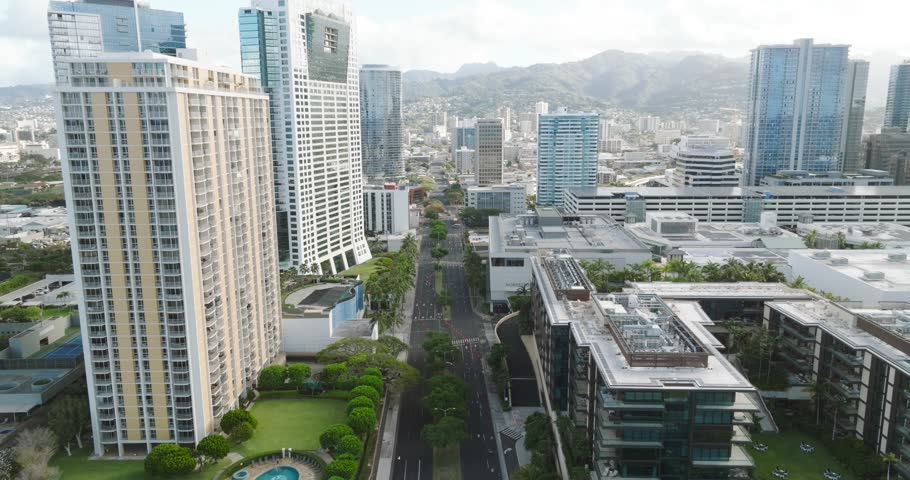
x=383 y=469
x=499 y=417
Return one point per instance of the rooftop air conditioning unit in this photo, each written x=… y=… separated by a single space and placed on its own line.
x=822 y=254
x=874 y=276
x=897 y=257
x=839 y=261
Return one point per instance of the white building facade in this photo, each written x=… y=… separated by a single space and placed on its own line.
x=703 y=161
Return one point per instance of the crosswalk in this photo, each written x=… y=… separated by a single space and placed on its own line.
x=512 y=432
x=466 y=341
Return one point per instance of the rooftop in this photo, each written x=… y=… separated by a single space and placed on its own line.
x=712 y=254
x=680 y=229
x=50 y=290
x=697 y=291
x=639 y=341
x=888 y=234
x=548 y=229
x=317 y=299
x=883 y=269
x=707 y=192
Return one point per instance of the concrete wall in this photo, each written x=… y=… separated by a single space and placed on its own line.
x=28 y=342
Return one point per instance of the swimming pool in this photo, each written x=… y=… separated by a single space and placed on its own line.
x=280 y=473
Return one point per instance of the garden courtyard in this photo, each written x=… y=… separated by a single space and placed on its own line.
x=784 y=452
x=294 y=422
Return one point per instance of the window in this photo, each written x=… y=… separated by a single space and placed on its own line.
x=331 y=40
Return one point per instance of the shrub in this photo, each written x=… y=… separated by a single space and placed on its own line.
x=336 y=477
x=332 y=372
x=168 y=460
x=350 y=444
x=346 y=469
x=331 y=436
x=347 y=456
x=358 y=402
x=231 y=419
x=212 y=448
x=298 y=374
x=373 y=371
x=273 y=377
x=366 y=391
x=371 y=381
x=242 y=433
x=362 y=420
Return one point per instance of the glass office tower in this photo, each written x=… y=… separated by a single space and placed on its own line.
x=314 y=87
x=857 y=79
x=797 y=98
x=86 y=28
x=897 y=109
x=380 y=121
x=566 y=154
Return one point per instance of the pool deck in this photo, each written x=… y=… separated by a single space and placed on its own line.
x=306 y=473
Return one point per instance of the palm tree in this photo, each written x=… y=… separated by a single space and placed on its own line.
x=815 y=392
x=773 y=341
x=811 y=239
x=798 y=282
x=889 y=458
x=711 y=272
x=839 y=402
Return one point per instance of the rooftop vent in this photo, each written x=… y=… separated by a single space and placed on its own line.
x=839 y=261
x=897 y=257
x=822 y=254
x=872 y=276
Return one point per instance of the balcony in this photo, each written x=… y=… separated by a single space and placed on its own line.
x=846 y=375
x=804 y=336
x=849 y=359
x=738 y=459
x=615 y=403
x=603 y=472
x=846 y=390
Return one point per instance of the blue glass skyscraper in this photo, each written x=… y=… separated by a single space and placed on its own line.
x=566 y=154
x=797 y=99
x=380 y=122
x=897 y=109
x=86 y=28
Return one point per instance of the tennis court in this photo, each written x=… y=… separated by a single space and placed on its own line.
x=71 y=348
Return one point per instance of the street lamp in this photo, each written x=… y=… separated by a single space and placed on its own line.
x=445 y=411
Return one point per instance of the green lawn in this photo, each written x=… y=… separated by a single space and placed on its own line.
x=447 y=463
x=365 y=269
x=294 y=423
x=79 y=467
x=783 y=451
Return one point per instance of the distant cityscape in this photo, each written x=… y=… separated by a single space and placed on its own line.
x=304 y=270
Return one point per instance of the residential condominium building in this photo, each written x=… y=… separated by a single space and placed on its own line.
x=703 y=161
x=641 y=377
x=855 y=110
x=862 y=355
x=380 y=122
x=488 y=163
x=316 y=127
x=87 y=28
x=505 y=198
x=566 y=154
x=746 y=204
x=797 y=99
x=890 y=151
x=897 y=107
x=167 y=174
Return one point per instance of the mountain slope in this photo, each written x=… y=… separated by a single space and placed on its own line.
x=658 y=83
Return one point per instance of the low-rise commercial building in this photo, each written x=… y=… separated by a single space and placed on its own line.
x=630 y=370
x=867 y=276
x=745 y=204
x=385 y=208
x=505 y=198
x=316 y=316
x=514 y=239
x=803 y=178
x=853 y=235
x=665 y=231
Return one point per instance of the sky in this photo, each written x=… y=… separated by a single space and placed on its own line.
x=444 y=34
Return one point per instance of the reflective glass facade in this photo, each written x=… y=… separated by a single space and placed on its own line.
x=857 y=79
x=897 y=110
x=380 y=121
x=88 y=27
x=259 y=57
x=798 y=95
x=566 y=154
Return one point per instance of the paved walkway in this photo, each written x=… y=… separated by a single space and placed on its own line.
x=390 y=430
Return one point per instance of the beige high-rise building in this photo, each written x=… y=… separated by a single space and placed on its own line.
x=488 y=165
x=168 y=174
